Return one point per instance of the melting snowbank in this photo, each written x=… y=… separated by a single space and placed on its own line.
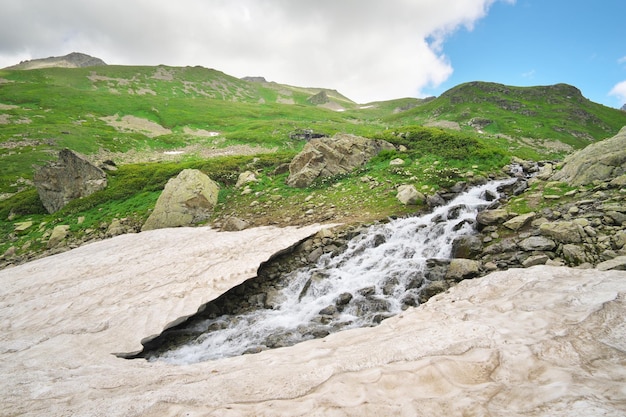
x=542 y=341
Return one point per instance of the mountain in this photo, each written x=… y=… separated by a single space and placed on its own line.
x=539 y=113
x=72 y=60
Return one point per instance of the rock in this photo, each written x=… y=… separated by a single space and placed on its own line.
x=116 y=228
x=325 y=157
x=617 y=264
x=535 y=260
x=435 y=200
x=186 y=200
x=22 y=226
x=467 y=246
x=537 y=243
x=460 y=269
x=563 y=231
x=603 y=160
x=396 y=162
x=71 y=176
x=244 y=178
x=59 y=233
x=492 y=217
x=408 y=195
x=234 y=224
x=520 y=221
x=9 y=253
x=574 y=254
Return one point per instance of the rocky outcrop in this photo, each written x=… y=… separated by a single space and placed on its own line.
x=186 y=200
x=71 y=176
x=326 y=157
x=598 y=161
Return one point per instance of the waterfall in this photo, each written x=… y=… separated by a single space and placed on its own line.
x=381 y=272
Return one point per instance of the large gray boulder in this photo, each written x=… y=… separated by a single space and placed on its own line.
x=325 y=157
x=599 y=161
x=71 y=176
x=186 y=199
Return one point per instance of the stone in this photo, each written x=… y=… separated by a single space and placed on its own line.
x=537 y=243
x=22 y=226
x=58 y=235
x=603 y=160
x=467 y=246
x=71 y=176
x=116 y=228
x=563 y=231
x=234 y=224
x=396 y=162
x=460 y=269
x=245 y=178
x=326 y=157
x=574 y=254
x=520 y=221
x=535 y=260
x=186 y=199
x=492 y=217
x=618 y=264
x=409 y=196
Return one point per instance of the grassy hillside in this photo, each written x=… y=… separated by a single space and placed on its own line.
x=155 y=121
x=539 y=116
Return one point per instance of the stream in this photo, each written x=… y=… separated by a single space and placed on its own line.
x=380 y=274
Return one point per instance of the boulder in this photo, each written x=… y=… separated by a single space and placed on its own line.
x=234 y=224
x=563 y=231
x=186 y=200
x=520 y=221
x=492 y=217
x=602 y=161
x=71 y=176
x=537 y=243
x=325 y=157
x=59 y=233
x=408 y=195
x=244 y=178
x=460 y=269
x=466 y=246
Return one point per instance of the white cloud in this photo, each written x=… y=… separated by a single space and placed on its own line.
x=619 y=91
x=367 y=49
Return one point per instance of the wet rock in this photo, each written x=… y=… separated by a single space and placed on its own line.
x=468 y=246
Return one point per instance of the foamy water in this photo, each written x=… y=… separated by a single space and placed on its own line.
x=377 y=276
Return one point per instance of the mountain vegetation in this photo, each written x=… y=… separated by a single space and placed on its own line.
x=153 y=122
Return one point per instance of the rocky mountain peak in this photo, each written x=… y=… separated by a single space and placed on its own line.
x=72 y=60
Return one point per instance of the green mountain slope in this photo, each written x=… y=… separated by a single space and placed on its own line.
x=155 y=121
x=558 y=112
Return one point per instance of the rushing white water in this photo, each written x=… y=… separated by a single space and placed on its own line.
x=377 y=276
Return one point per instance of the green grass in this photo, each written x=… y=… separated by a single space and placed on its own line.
x=58 y=108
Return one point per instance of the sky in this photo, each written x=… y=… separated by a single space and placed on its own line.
x=368 y=50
